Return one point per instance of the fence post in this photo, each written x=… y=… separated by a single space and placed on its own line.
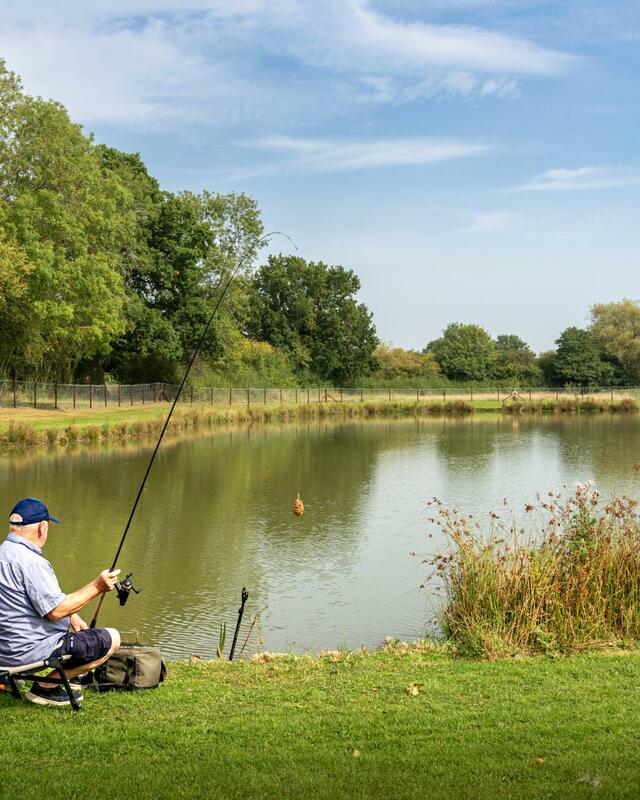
x=14 y=393
x=472 y=395
x=389 y=395
x=119 y=395
x=444 y=394
x=105 y=395
x=612 y=394
x=192 y=395
x=90 y=395
x=417 y=395
x=308 y=400
x=142 y=392
x=74 y=395
x=325 y=394
x=131 y=393
x=55 y=395
x=264 y=395
x=230 y=395
x=557 y=393
x=211 y=396
x=296 y=395
x=248 y=403
x=280 y=396
x=35 y=388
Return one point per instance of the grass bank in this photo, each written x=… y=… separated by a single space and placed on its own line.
x=32 y=427
x=27 y=427
x=403 y=724
x=565 y=579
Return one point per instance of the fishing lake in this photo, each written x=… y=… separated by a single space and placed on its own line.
x=216 y=516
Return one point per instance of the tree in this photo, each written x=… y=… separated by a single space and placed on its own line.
x=310 y=311
x=464 y=352
x=186 y=244
x=515 y=362
x=579 y=360
x=395 y=363
x=66 y=217
x=616 y=327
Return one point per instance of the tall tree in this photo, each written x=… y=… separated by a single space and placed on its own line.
x=70 y=221
x=515 y=362
x=616 y=326
x=464 y=352
x=310 y=310
x=579 y=360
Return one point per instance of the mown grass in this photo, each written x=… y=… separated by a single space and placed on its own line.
x=409 y=723
x=568 y=580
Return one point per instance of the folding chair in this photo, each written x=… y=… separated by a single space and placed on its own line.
x=29 y=672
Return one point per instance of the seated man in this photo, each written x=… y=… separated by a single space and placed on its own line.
x=37 y=620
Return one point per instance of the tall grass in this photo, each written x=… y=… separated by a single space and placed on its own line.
x=207 y=416
x=568 y=580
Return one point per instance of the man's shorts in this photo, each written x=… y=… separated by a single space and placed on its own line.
x=83 y=647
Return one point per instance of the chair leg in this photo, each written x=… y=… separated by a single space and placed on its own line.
x=15 y=689
x=57 y=665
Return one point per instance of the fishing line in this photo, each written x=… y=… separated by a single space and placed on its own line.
x=226 y=286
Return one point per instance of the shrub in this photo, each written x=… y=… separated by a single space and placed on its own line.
x=569 y=581
x=92 y=433
x=71 y=434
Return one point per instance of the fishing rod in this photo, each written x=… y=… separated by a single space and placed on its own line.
x=123 y=588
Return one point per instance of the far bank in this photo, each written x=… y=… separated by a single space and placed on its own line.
x=28 y=427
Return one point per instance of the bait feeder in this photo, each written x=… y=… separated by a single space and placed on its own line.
x=298 y=507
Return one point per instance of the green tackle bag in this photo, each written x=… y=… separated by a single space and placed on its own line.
x=134 y=666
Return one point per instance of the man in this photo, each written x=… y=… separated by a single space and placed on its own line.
x=37 y=619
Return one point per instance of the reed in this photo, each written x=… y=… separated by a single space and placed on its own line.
x=567 y=580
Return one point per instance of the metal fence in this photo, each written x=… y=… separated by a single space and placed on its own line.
x=36 y=394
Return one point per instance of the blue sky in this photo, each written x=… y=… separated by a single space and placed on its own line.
x=471 y=160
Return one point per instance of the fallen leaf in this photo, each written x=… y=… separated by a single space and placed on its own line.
x=538 y=761
x=412 y=690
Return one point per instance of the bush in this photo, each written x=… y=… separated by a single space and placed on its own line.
x=569 y=582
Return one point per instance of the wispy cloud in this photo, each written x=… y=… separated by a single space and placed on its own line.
x=592 y=177
x=328 y=155
x=156 y=62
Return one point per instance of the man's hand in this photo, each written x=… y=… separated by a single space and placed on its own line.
x=77 y=623
x=106 y=580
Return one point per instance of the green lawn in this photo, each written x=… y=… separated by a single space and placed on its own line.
x=341 y=727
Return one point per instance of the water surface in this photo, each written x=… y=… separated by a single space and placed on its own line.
x=216 y=516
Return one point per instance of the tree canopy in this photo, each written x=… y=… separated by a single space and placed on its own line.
x=310 y=310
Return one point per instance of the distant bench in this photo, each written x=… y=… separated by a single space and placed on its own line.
x=30 y=672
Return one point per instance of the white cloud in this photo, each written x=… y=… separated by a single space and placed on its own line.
x=592 y=177
x=314 y=155
x=160 y=62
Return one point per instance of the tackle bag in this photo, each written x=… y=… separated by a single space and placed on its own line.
x=134 y=666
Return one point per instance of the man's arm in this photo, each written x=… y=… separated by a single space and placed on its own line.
x=76 y=600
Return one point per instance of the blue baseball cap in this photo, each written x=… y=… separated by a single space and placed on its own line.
x=31 y=510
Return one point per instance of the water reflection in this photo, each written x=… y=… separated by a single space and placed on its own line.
x=216 y=515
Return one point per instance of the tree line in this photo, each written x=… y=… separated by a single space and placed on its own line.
x=103 y=274
x=605 y=353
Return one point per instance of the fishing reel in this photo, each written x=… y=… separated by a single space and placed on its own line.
x=124 y=589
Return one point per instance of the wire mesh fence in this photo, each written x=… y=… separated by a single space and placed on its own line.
x=65 y=396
